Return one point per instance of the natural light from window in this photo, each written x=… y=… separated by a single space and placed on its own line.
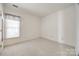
x=12 y=28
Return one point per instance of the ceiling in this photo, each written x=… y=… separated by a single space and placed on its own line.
x=42 y=9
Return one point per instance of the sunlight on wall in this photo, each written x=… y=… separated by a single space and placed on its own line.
x=60 y=26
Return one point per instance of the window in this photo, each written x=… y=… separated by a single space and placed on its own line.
x=12 y=26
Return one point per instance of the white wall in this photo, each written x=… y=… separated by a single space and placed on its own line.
x=49 y=27
x=30 y=24
x=59 y=26
x=77 y=28
x=69 y=26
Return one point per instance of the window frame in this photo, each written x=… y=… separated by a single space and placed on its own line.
x=19 y=26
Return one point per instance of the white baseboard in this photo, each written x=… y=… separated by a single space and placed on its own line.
x=58 y=42
x=9 y=42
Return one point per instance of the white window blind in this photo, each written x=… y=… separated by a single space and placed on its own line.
x=12 y=26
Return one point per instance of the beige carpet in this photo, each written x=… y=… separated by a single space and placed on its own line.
x=38 y=47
